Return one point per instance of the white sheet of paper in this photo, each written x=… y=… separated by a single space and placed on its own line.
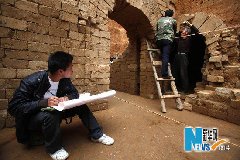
x=83 y=99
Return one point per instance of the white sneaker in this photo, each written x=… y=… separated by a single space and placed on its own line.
x=61 y=154
x=104 y=140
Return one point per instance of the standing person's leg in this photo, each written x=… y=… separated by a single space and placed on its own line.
x=167 y=44
x=49 y=123
x=176 y=72
x=184 y=73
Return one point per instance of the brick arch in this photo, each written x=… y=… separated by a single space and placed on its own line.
x=125 y=73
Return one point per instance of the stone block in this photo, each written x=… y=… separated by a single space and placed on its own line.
x=73 y=27
x=39 y=47
x=9 y=93
x=2 y=94
x=7 y=73
x=235 y=103
x=2 y=53
x=3 y=113
x=56 y=4
x=200 y=109
x=191 y=99
x=79 y=71
x=210 y=87
x=236 y=93
x=57 y=32
x=76 y=36
x=2 y=122
x=215 y=72
x=10 y=122
x=34 y=37
x=217 y=114
x=104 y=81
x=57 y=23
x=211 y=24
x=6 y=32
x=232 y=51
x=48 y=11
x=7 y=2
x=38 y=65
x=13 y=44
x=215 y=59
x=12 y=83
x=14 y=63
x=77 y=52
x=218 y=106
x=70 y=8
x=39 y=19
x=211 y=78
x=234 y=112
x=233 y=119
x=205 y=94
x=68 y=17
x=27 y=6
x=199 y=19
x=11 y=23
x=227 y=43
x=22 y=73
x=211 y=40
x=223 y=93
x=213 y=47
x=3 y=104
x=37 y=28
x=215 y=53
x=187 y=106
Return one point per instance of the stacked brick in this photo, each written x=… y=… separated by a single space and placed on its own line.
x=32 y=29
x=148 y=86
x=125 y=71
x=218 y=94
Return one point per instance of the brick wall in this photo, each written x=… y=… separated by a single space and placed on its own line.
x=32 y=29
x=218 y=93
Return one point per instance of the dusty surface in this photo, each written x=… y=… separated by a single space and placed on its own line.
x=138 y=134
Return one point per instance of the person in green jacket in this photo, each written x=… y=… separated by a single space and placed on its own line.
x=166 y=29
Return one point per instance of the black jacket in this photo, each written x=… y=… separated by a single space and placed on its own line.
x=28 y=99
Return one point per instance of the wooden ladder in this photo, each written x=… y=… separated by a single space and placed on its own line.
x=157 y=80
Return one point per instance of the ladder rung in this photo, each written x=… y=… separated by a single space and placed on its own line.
x=170 y=96
x=151 y=49
x=157 y=63
x=165 y=79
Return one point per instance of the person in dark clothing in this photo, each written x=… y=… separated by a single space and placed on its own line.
x=181 y=62
x=45 y=89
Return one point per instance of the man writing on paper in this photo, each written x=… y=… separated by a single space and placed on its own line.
x=48 y=88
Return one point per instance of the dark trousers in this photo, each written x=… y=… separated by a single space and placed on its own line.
x=165 y=47
x=180 y=72
x=49 y=123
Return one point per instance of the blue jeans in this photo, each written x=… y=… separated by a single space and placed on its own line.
x=49 y=123
x=165 y=46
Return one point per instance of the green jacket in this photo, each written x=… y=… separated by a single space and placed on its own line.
x=166 y=28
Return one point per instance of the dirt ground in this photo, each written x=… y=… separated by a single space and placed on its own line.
x=140 y=131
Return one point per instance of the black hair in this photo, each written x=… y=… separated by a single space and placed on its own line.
x=59 y=60
x=169 y=13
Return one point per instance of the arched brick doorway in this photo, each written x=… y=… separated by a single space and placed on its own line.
x=125 y=72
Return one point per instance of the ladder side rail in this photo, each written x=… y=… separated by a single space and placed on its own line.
x=175 y=91
x=157 y=83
